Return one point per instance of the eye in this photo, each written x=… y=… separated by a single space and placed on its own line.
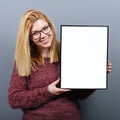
x=35 y=33
x=45 y=28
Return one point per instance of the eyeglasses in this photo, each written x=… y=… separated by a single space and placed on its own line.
x=37 y=34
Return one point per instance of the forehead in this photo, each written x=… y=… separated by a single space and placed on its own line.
x=39 y=24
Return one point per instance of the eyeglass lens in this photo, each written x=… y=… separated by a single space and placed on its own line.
x=37 y=34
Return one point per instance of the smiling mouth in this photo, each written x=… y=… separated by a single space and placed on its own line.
x=44 y=41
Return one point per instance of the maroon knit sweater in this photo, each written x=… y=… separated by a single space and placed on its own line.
x=32 y=96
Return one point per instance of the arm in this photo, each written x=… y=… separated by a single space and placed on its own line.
x=21 y=97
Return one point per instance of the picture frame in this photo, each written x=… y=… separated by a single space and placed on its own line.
x=84 y=56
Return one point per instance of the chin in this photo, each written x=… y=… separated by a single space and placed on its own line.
x=46 y=45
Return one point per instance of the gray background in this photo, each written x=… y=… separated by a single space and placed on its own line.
x=103 y=104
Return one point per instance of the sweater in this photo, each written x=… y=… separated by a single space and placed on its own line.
x=32 y=96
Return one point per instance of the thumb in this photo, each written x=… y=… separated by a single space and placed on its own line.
x=56 y=82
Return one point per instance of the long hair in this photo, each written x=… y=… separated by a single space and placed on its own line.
x=27 y=55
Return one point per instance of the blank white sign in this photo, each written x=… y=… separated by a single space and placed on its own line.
x=84 y=56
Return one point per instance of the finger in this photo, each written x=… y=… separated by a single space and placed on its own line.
x=109 y=63
x=108 y=70
x=56 y=82
x=61 y=91
x=109 y=67
x=64 y=90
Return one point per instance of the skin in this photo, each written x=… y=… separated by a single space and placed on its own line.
x=109 y=66
x=45 y=40
x=44 y=44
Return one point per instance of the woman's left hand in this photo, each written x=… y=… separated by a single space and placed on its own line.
x=109 y=66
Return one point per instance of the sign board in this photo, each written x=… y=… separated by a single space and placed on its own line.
x=84 y=51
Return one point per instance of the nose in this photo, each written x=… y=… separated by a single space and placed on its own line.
x=42 y=35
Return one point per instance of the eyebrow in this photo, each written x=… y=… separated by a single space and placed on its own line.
x=41 y=29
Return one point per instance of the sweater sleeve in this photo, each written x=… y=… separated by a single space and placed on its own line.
x=83 y=93
x=21 y=97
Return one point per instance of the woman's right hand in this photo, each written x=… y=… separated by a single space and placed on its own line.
x=55 y=90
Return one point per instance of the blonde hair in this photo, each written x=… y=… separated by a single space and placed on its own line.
x=27 y=56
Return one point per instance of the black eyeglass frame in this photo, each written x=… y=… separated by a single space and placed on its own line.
x=39 y=32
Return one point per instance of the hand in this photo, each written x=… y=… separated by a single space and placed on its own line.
x=56 y=91
x=109 y=66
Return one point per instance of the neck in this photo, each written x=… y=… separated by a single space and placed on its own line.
x=45 y=53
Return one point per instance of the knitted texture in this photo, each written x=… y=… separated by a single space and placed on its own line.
x=32 y=96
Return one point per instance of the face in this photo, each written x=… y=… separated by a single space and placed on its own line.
x=42 y=34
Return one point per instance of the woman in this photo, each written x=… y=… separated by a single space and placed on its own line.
x=34 y=85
